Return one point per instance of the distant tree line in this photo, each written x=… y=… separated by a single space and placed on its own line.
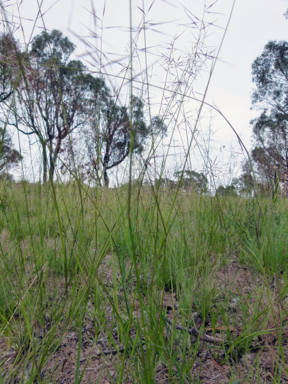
x=46 y=94
x=185 y=180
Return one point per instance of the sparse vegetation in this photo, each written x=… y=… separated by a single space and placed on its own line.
x=158 y=280
x=214 y=265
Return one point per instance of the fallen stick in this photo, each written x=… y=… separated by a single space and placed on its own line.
x=104 y=352
x=193 y=331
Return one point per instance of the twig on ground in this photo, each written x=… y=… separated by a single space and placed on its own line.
x=101 y=353
x=193 y=331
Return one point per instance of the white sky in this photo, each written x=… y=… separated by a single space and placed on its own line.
x=253 y=24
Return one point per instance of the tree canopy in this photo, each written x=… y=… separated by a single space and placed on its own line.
x=270 y=129
x=58 y=97
x=192 y=179
x=229 y=190
x=115 y=131
x=54 y=99
x=8 y=155
x=9 y=69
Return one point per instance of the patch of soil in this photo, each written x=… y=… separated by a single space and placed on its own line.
x=101 y=354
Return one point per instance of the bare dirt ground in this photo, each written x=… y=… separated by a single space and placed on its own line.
x=102 y=360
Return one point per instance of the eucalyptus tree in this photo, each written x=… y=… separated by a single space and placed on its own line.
x=116 y=130
x=229 y=190
x=192 y=179
x=9 y=156
x=8 y=66
x=9 y=77
x=245 y=183
x=270 y=129
x=55 y=96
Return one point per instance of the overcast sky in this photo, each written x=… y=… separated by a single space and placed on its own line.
x=253 y=23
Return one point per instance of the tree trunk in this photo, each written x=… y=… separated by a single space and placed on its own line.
x=53 y=158
x=51 y=166
x=44 y=158
x=106 y=178
x=98 y=178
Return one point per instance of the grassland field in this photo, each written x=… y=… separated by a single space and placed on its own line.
x=179 y=288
